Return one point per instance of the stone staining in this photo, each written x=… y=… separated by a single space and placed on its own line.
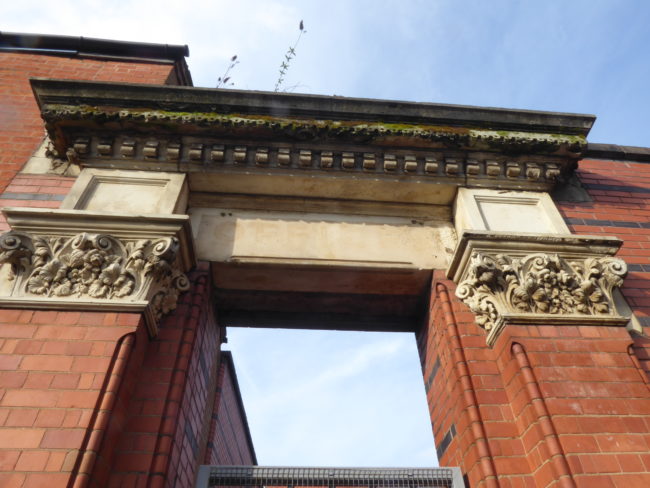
x=304 y=158
x=538 y=175
x=195 y=152
x=472 y=167
x=95 y=266
x=105 y=148
x=390 y=163
x=552 y=171
x=127 y=149
x=239 y=155
x=326 y=159
x=533 y=171
x=513 y=170
x=430 y=165
x=410 y=164
x=347 y=160
x=498 y=285
x=150 y=150
x=369 y=161
x=173 y=151
x=492 y=169
x=81 y=146
x=284 y=156
x=262 y=156
x=452 y=167
x=217 y=154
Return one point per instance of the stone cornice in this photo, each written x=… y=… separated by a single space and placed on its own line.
x=322 y=130
x=533 y=279
x=190 y=129
x=92 y=261
x=188 y=101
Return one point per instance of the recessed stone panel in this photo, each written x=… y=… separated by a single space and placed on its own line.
x=507 y=211
x=128 y=192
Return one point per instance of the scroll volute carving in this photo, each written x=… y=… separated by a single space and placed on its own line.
x=540 y=287
x=95 y=267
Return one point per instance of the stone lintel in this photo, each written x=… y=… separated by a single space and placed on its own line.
x=81 y=260
x=538 y=279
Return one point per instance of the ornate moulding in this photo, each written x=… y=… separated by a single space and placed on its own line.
x=79 y=260
x=538 y=279
x=157 y=152
x=164 y=128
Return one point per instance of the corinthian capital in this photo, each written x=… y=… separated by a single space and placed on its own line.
x=537 y=279
x=129 y=266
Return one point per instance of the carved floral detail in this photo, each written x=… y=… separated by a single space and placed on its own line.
x=95 y=266
x=539 y=284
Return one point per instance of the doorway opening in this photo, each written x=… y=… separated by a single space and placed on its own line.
x=332 y=398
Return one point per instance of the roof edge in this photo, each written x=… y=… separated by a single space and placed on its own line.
x=616 y=152
x=79 y=46
x=91 y=45
x=295 y=105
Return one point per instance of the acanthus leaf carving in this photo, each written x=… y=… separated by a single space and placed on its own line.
x=95 y=266
x=540 y=283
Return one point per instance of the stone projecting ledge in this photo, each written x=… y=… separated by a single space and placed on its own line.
x=217 y=133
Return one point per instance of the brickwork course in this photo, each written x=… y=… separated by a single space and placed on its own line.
x=88 y=400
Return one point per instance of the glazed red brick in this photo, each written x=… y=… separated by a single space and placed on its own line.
x=229 y=437
x=627 y=216
x=166 y=430
x=577 y=407
x=48 y=410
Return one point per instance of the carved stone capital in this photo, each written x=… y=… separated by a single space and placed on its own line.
x=533 y=279
x=119 y=263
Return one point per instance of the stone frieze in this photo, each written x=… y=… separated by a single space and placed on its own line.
x=162 y=153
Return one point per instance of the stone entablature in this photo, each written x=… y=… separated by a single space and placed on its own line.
x=91 y=261
x=216 y=131
x=530 y=279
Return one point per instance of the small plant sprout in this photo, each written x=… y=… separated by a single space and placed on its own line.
x=224 y=80
x=289 y=55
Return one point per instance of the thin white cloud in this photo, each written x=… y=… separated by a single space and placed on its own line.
x=325 y=398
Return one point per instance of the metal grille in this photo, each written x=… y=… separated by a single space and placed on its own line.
x=295 y=477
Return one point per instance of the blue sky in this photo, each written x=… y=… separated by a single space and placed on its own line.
x=568 y=56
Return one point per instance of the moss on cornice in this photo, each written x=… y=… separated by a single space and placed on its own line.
x=315 y=129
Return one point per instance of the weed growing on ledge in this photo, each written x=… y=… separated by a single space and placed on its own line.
x=222 y=81
x=289 y=55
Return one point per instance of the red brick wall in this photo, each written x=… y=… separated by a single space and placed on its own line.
x=21 y=127
x=229 y=442
x=547 y=406
x=34 y=191
x=54 y=370
x=193 y=425
x=621 y=208
x=167 y=423
x=473 y=423
x=88 y=399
